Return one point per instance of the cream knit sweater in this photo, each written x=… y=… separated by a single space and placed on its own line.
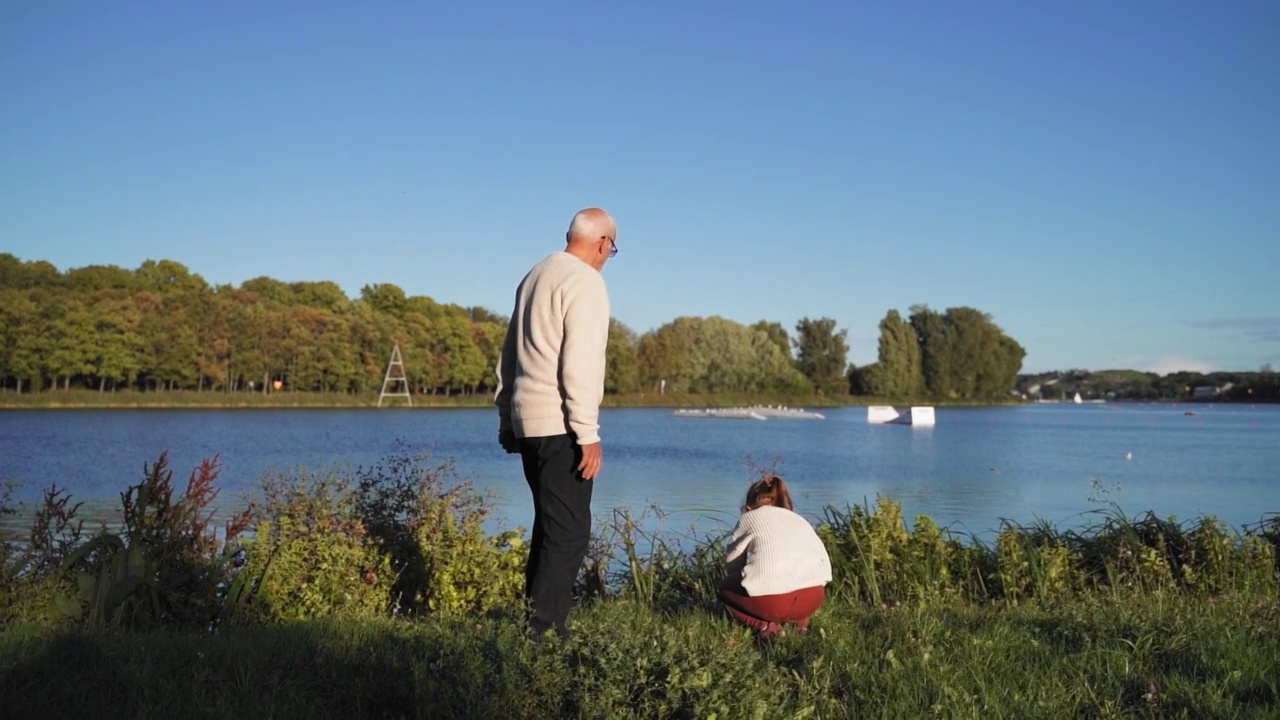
x=551 y=370
x=776 y=551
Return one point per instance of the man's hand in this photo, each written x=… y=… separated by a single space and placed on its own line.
x=592 y=459
x=507 y=439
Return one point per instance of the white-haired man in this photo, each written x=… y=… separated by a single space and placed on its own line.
x=550 y=383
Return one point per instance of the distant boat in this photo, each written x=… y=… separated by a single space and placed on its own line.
x=757 y=412
x=1080 y=401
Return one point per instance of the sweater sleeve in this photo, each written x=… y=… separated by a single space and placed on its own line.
x=586 y=336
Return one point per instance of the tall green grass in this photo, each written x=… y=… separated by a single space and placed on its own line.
x=877 y=559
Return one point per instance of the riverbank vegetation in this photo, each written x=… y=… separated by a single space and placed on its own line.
x=376 y=593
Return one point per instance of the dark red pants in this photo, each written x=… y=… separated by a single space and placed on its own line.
x=766 y=613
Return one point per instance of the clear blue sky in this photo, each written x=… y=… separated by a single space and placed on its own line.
x=1103 y=177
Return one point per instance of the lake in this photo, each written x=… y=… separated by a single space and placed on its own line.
x=1059 y=463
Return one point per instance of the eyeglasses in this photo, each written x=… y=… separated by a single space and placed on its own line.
x=613 y=251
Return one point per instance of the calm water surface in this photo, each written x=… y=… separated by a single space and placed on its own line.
x=976 y=467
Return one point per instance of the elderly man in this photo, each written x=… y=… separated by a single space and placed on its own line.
x=550 y=383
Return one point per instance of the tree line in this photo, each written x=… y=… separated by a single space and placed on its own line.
x=1218 y=386
x=162 y=327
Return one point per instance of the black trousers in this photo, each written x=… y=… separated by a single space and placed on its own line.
x=561 y=528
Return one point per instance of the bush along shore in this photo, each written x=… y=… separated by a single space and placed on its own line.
x=377 y=593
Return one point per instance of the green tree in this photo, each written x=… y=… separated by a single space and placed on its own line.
x=249 y=324
x=1001 y=373
x=27 y=275
x=965 y=355
x=170 y=338
x=984 y=361
x=899 y=370
x=269 y=289
x=468 y=365
x=11 y=274
x=69 y=343
x=20 y=332
x=663 y=354
x=484 y=315
x=427 y=369
x=726 y=356
x=490 y=334
x=622 y=365
x=863 y=381
x=324 y=295
x=100 y=277
x=776 y=334
x=211 y=316
x=168 y=276
x=384 y=298
x=329 y=357
x=370 y=350
x=934 y=336
x=116 y=343
x=822 y=355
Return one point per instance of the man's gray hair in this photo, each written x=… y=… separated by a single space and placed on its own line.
x=592 y=224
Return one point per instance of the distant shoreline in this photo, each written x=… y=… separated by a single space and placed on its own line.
x=187 y=400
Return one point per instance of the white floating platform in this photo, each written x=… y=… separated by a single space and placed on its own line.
x=921 y=415
x=879 y=414
x=758 y=412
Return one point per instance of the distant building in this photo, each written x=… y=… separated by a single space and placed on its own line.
x=1205 y=392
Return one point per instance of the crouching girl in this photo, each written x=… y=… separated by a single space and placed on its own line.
x=777 y=565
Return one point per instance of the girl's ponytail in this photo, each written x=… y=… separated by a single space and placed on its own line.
x=769 y=490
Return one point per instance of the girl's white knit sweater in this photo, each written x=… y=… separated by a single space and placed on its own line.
x=551 y=370
x=776 y=551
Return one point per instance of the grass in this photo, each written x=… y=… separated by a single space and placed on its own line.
x=1153 y=656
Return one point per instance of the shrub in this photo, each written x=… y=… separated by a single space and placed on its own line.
x=1035 y=562
x=31 y=574
x=165 y=567
x=402 y=536
x=311 y=555
x=870 y=559
x=430 y=523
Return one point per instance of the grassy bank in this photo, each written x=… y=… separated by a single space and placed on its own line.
x=1155 y=656
x=79 y=398
x=376 y=593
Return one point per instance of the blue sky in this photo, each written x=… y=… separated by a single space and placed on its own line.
x=1103 y=178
